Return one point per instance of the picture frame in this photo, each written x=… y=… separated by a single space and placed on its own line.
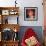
x=5 y=12
x=30 y=13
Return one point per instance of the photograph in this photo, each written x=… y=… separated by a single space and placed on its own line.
x=22 y=23
x=30 y=13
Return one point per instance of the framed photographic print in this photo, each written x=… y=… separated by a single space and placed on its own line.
x=30 y=13
x=5 y=12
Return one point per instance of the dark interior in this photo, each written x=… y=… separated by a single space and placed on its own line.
x=9 y=35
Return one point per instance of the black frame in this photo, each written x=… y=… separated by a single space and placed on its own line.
x=36 y=13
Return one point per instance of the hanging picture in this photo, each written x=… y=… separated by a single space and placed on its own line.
x=5 y=12
x=30 y=13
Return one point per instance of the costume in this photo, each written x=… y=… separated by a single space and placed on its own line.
x=30 y=39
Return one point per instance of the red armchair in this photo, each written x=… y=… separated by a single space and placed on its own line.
x=29 y=33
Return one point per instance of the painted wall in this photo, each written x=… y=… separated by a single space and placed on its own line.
x=31 y=3
x=26 y=3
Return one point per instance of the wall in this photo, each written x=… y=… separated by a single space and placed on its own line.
x=31 y=3
x=26 y=3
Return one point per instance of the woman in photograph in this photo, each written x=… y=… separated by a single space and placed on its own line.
x=30 y=13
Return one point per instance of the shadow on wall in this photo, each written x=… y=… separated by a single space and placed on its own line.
x=37 y=29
